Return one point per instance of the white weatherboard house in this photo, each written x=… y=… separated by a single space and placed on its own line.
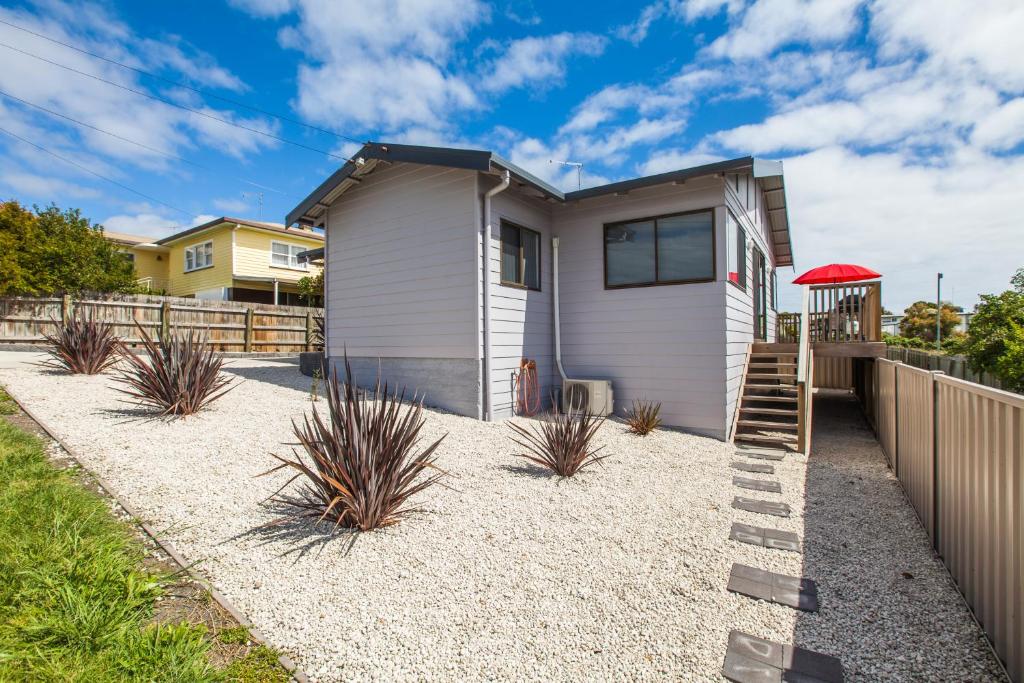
x=662 y=281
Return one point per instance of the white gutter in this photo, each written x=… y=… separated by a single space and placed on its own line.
x=500 y=187
x=554 y=294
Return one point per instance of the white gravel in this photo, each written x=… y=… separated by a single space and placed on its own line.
x=617 y=573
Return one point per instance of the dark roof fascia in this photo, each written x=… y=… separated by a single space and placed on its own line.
x=239 y=221
x=310 y=255
x=729 y=166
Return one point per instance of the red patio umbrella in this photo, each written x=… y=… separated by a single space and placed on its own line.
x=834 y=273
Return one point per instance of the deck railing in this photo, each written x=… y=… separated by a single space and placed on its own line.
x=841 y=314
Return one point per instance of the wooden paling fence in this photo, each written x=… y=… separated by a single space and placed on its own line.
x=229 y=325
x=953 y=366
x=957 y=448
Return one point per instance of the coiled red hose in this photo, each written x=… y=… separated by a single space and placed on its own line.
x=527 y=388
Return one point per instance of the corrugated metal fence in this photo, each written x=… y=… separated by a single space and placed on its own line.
x=229 y=325
x=958 y=450
x=833 y=372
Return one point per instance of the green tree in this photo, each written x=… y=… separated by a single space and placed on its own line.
x=47 y=251
x=919 y=320
x=311 y=288
x=995 y=339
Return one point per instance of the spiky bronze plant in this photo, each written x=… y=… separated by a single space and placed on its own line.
x=82 y=345
x=180 y=375
x=317 y=337
x=643 y=417
x=561 y=442
x=363 y=464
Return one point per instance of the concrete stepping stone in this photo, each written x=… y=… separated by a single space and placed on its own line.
x=761 y=584
x=757 y=484
x=768 y=538
x=755 y=467
x=761 y=455
x=749 y=659
x=764 y=507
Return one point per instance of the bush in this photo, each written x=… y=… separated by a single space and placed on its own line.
x=905 y=342
x=82 y=346
x=363 y=466
x=995 y=339
x=561 y=443
x=179 y=376
x=643 y=417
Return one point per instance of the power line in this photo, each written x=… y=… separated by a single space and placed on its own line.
x=175 y=104
x=130 y=141
x=181 y=85
x=98 y=175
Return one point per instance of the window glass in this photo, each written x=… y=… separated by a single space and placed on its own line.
x=531 y=259
x=736 y=238
x=629 y=253
x=510 y=245
x=686 y=247
x=286 y=255
x=199 y=256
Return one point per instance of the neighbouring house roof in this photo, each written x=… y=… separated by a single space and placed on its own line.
x=259 y=225
x=125 y=238
x=769 y=173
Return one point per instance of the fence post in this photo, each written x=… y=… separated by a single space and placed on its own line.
x=165 y=320
x=248 y=330
x=65 y=309
x=309 y=330
x=935 y=460
x=896 y=419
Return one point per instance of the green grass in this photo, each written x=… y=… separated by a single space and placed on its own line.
x=236 y=635
x=7 y=404
x=75 y=601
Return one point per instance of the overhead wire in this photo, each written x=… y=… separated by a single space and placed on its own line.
x=130 y=141
x=171 y=103
x=98 y=175
x=169 y=81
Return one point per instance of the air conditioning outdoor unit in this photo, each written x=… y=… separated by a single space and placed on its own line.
x=587 y=395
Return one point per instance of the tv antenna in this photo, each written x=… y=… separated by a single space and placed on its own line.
x=259 y=202
x=578 y=165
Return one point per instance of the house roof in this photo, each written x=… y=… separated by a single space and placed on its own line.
x=769 y=173
x=125 y=238
x=259 y=225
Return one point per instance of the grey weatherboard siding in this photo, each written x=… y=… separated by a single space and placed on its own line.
x=404 y=285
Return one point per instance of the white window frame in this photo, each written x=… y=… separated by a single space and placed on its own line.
x=194 y=251
x=293 y=252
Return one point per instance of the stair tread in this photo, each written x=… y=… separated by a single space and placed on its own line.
x=771 y=375
x=766 y=364
x=765 y=438
x=789 y=388
x=769 y=411
x=766 y=424
x=772 y=399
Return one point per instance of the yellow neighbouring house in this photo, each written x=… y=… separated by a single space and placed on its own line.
x=227 y=259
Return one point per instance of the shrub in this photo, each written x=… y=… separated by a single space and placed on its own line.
x=317 y=338
x=643 y=417
x=561 y=443
x=363 y=466
x=179 y=376
x=82 y=346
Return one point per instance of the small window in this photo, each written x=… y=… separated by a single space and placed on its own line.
x=287 y=255
x=737 y=247
x=520 y=256
x=199 y=256
x=659 y=251
x=128 y=256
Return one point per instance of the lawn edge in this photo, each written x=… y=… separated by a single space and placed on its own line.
x=166 y=546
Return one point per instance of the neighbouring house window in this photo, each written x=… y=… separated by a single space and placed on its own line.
x=659 y=251
x=199 y=256
x=520 y=256
x=286 y=255
x=737 y=248
x=128 y=256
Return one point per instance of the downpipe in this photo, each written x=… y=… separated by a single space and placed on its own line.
x=554 y=294
x=500 y=187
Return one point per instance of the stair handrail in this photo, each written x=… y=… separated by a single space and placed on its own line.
x=804 y=377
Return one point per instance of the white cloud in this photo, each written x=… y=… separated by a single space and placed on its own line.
x=636 y=31
x=46 y=187
x=1002 y=128
x=692 y=10
x=539 y=61
x=675 y=160
x=264 y=9
x=231 y=206
x=768 y=24
x=152 y=224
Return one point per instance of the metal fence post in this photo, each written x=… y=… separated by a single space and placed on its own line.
x=65 y=308
x=935 y=459
x=896 y=419
x=247 y=343
x=165 y=320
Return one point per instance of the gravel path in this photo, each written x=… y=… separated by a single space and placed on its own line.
x=512 y=575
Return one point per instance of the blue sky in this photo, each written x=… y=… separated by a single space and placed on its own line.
x=900 y=123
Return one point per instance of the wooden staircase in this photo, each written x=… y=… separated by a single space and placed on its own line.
x=768 y=411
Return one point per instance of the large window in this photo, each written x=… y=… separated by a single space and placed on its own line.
x=736 y=239
x=520 y=256
x=660 y=251
x=199 y=256
x=286 y=255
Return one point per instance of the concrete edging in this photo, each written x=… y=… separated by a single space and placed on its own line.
x=286 y=662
